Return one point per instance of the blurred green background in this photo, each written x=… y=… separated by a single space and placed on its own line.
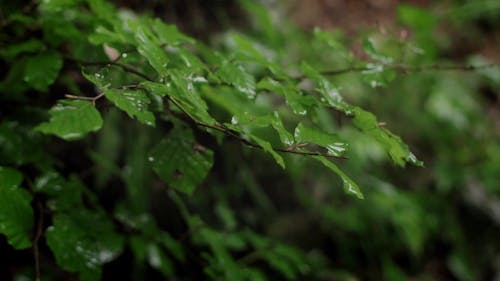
x=437 y=222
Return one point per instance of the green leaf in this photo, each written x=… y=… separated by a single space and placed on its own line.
x=350 y=187
x=72 y=120
x=188 y=97
x=102 y=9
x=234 y=74
x=148 y=47
x=269 y=149
x=393 y=145
x=285 y=137
x=169 y=34
x=245 y=121
x=134 y=102
x=180 y=161
x=42 y=70
x=16 y=214
x=331 y=142
x=83 y=241
x=292 y=94
x=329 y=93
x=29 y=46
x=150 y=252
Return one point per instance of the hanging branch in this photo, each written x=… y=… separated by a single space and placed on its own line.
x=407 y=68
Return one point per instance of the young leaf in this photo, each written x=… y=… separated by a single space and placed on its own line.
x=148 y=47
x=294 y=99
x=332 y=143
x=180 y=161
x=269 y=149
x=330 y=93
x=393 y=145
x=189 y=98
x=170 y=34
x=350 y=187
x=72 y=120
x=134 y=102
x=234 y=74
x=16 y=214
x=42 y=70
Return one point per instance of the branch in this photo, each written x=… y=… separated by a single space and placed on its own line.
x=218 y=127
x=92 y=99
x=227 y=131
x=407 y=68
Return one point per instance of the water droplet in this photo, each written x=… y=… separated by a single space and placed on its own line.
x=337 y=148
x=302 y=112
x=105 y=256
x=198 y=79
x=248 y=91
x=154 y=256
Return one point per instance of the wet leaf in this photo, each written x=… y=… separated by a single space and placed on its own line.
x=180 y=161
x=393 y=145
x=234 y=74
x=72 y=120
x=331 y=142
x=134 y=102
x=350 y=187
x=83 y=241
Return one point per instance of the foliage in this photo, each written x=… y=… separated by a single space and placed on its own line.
x=124 y=141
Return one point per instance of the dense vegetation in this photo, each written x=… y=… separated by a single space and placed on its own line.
x=132 y=151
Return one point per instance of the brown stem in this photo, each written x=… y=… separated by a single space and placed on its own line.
x=92 y=99
x=221 y=128
x=408 y=69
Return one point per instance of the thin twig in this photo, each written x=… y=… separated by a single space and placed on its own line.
x=92 y=99
x=227 y=131
x=406 y=68
x=38 y=234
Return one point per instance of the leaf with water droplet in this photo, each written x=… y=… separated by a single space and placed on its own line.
x=328 y=91
x=331 y=142
x=178 y=160
x=72 y=120
x=16 y=214
x=234 y=74
x=350 y=187
x=82 y=241
x=292 y=94
x=149 y=47
x=188 y=96
x=267 y=147
x=392 y=144
x=170 y=34
x=134 y=102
